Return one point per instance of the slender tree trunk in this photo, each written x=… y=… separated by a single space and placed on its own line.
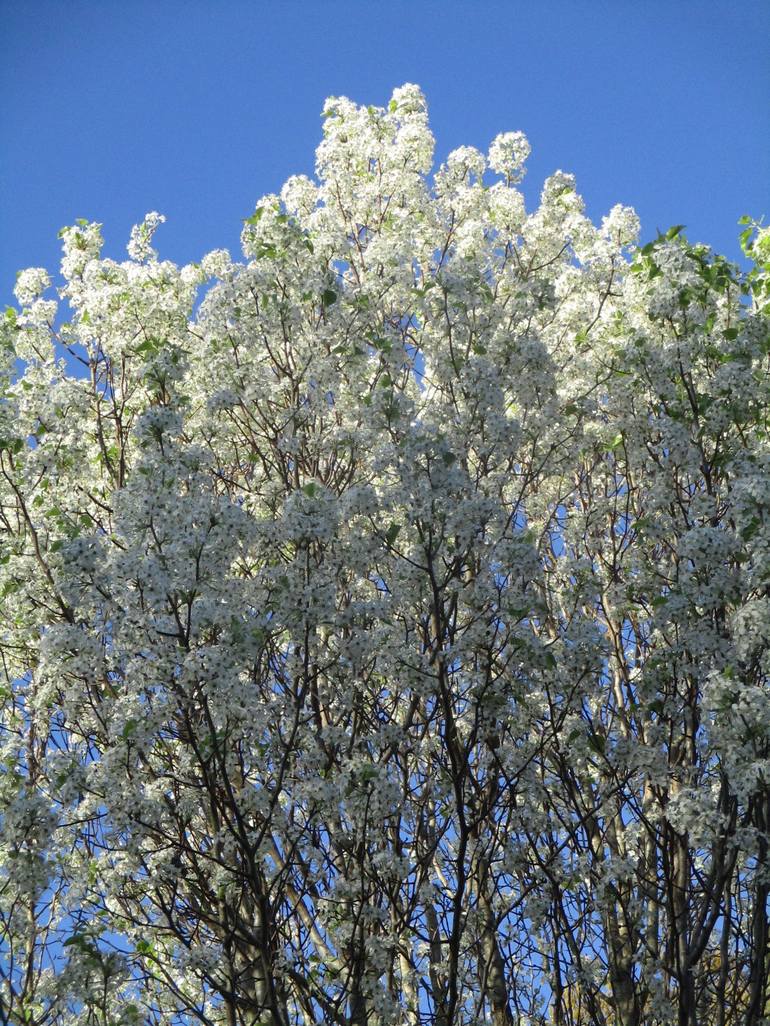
x=492 y=971
x=759 y=994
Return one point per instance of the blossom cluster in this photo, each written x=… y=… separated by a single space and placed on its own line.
x=384 y=617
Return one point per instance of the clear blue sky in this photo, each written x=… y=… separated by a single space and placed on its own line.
x=111 y=108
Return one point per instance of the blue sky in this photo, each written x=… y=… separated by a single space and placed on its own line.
x=111 y=108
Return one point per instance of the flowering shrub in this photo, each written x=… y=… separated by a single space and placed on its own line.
x=385 y=637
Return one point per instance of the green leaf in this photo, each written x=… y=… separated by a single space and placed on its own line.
x=727 y=703
x=266 y=249
x=310 y=489
x=367 y=773
x=9 y=588
x=597 y=744
x=673 y=232
x=255 y=217
x=149 y=347
x=129 y=729
x=392 y=533
x=750 y=529
x=424 y=290
x=328 y=296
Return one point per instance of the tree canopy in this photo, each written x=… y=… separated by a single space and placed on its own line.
x=385 y=619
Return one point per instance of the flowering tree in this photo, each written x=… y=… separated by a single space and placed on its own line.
x=386 y=638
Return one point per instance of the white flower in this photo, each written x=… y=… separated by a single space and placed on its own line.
x=508 y=154
x=139 y=247
x=31 y=284
x=217 y=264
